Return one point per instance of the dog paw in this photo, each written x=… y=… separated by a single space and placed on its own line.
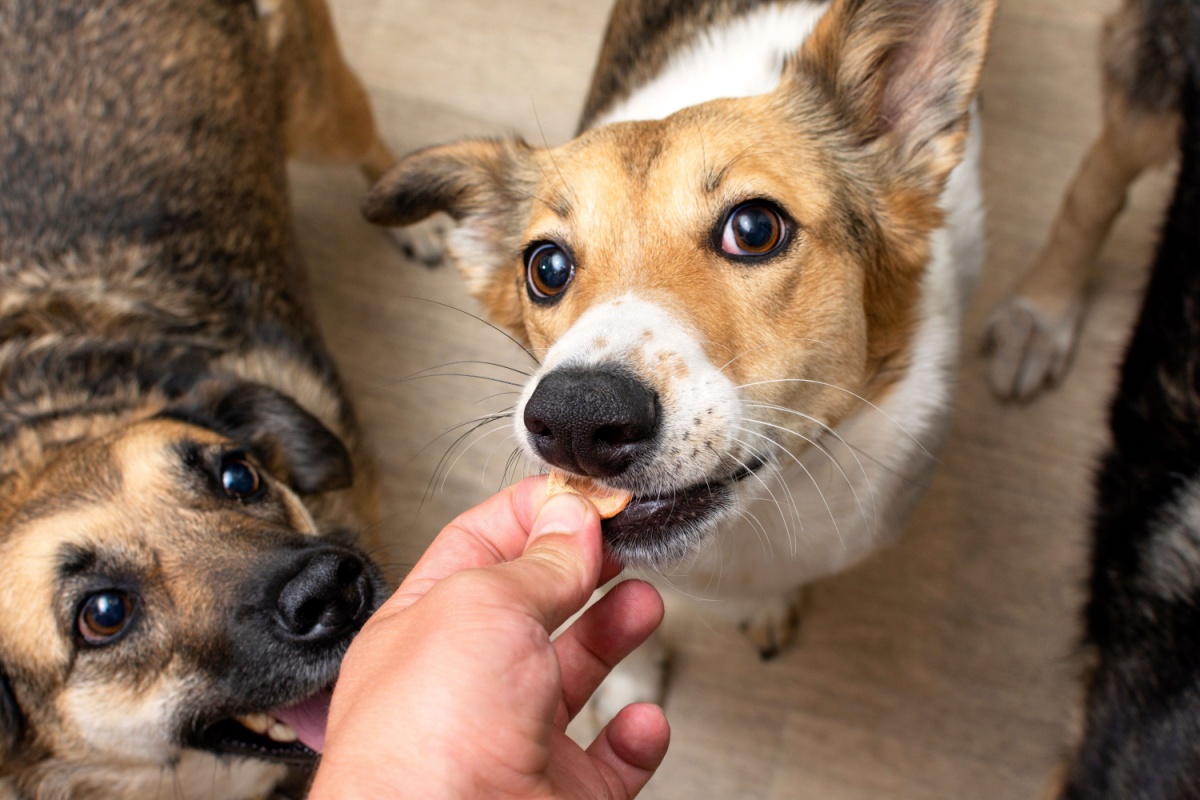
x=1029 y=348
x=640 y=678
x=423 y=242
x=773 y=626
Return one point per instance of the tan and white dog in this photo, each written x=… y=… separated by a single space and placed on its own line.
x=745 y=277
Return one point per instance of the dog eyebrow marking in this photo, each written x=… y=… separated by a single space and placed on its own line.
x=75 y=560
x=714 y=177
x=559 y=205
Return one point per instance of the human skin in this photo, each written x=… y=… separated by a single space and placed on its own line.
x=455 y=688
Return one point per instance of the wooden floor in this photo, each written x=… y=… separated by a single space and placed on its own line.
x=943 y=667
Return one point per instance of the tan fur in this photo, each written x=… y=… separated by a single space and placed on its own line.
x=328 y=114
x=1031 y=336
x=124 y=328
x=751 y=362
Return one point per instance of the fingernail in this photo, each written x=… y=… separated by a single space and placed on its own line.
x=563 y=513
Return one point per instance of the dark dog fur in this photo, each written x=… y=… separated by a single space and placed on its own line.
x=172 y=430
x=1142 y=738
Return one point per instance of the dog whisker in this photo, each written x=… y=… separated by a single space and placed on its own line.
x=550 y=152
x=816 y=485
x=774 y=343
x=858 y=397
x=487 y=462
x=782 y=514
x=791 y=533
x=418 y=377
x=494 y=396
x=849 y=483
x=510 y=466
x=486 y=418
x=477 y=318
x=854 y=450
x=463 y=452
x=429 y=491
x=495 y=364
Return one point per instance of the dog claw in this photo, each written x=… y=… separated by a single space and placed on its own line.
x=1029 y=348
x=424 y=241
x=775 y=625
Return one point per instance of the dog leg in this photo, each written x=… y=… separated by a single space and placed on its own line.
x=773 y=625
x=1031 y=335
x=328 y=117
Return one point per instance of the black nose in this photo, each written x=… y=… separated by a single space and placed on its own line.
x=327 y=597
x=592 y=421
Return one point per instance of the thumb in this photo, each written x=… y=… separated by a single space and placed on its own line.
x=561 y=564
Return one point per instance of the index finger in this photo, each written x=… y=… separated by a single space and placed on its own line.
x=494 y=532
x=491 y=533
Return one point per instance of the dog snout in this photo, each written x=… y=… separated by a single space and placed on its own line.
x=594 y=422
x=328 y=595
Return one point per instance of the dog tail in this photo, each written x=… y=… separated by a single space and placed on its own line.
x=1157 y=409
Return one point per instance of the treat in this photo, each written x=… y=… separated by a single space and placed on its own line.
x=609 y=502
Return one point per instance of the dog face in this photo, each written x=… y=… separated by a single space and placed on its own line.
x=715 y=291
x=167 y=592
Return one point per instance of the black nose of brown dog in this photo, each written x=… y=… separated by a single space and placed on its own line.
x=327 y=597
x=594 y=422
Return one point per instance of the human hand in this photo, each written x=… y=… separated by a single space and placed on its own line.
x=453 y=688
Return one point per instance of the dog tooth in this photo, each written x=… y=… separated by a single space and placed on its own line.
x=258 y=723
x=282 y=733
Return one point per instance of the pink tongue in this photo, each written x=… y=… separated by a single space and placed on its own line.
x=307 y=719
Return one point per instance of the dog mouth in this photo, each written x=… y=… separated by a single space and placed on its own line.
x=291 y=735
x=656 y=530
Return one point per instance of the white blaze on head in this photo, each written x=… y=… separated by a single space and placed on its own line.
x=699 y=406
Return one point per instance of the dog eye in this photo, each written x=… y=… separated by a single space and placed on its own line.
x=548 y=271
x=104 y=616
x=239 y=479
x=753 y=229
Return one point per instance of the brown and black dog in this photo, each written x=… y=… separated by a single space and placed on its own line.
x=1141 y=734
x=1031 y=336
x=182 y=480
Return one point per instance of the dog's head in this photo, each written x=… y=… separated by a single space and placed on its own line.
x=716 y=289
x=165 y=591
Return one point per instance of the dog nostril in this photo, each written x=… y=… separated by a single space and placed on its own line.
x=325 y=598
x=537 y=427
x=615 y=436
x=593 y=421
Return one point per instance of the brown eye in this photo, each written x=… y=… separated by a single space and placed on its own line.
x=753 y=229
x=548 y=271
x=104 y=616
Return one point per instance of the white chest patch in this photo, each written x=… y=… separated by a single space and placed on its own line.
x=743 y=59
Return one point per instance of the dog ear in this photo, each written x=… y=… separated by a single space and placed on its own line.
x=485 y=185
x=465 y=180
x=904 y=73
x=292 y=443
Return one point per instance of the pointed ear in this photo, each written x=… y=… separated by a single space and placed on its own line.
x=903 y=73
x=292 y=443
